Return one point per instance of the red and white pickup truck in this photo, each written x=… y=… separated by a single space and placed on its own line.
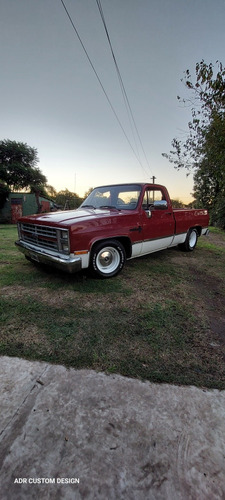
x=113 y=224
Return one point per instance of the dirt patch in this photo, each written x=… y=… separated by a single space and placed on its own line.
x=89 y=301
x=217 y=239
x=43 y=295
x=29 y=337
x=209 y=290
x=211 y=294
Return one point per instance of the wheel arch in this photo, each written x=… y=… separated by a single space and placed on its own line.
x=124 y=240
x=197 y=228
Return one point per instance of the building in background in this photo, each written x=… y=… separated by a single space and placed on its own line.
x=19 y=204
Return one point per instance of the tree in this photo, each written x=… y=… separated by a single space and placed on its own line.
x=18 y=168
x=203 y=151
x=68 y=200
x=177 y=203
x=50 y=191
x=86 y=194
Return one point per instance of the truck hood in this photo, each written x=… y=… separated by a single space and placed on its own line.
x=69 y=217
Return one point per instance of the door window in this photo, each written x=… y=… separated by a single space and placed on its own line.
x=150 y=196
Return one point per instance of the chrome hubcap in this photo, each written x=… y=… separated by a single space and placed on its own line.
x=105 y=258
x=108 y=260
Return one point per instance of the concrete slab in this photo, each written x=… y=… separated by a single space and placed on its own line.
x=70 y=434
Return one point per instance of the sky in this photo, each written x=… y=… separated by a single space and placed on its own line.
x=52 y=99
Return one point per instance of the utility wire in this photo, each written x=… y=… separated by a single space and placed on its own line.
x=126 y=100
x=98 y=78
x=129 y=112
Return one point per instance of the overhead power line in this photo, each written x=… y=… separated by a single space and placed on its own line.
x=124 y=93
x=99 y=80
x=127 y=104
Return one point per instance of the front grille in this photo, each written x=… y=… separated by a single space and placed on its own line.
x=50 y=238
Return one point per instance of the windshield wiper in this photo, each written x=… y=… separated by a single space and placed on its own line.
x=88 y=206
x=110 y=206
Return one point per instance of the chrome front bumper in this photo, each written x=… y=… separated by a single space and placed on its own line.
x=65 y=263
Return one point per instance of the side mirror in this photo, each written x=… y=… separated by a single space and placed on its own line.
x=148 y=213
x=161 y=204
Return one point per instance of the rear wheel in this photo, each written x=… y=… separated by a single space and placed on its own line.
x=191 y=240
x=107 y=259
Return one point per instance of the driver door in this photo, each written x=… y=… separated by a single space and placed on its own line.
x=157 y=221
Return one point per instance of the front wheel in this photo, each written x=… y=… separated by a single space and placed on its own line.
x=107 y=259
x=191 y=240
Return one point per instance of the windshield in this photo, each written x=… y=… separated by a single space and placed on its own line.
x=121 y=197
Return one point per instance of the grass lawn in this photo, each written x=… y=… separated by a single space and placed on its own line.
x=159 y=320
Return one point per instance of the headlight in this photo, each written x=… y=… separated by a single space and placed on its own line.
x=64 y=241
x=65 y=247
